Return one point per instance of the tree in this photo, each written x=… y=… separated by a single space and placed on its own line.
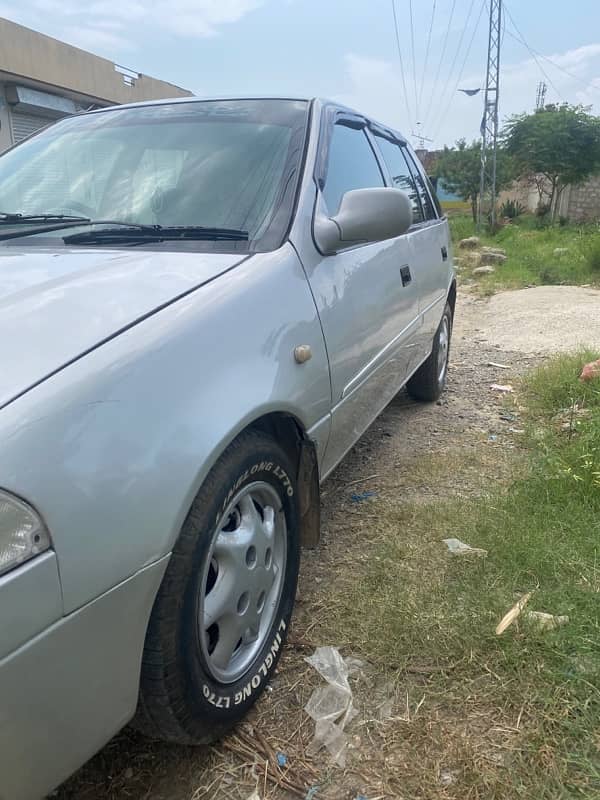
x=554 y=147
x=459 y=167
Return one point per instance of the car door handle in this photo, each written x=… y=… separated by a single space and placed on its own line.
x=405 y=275
x=444 y=253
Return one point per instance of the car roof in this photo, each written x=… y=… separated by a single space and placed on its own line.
x=206 y=99
x=323 y=102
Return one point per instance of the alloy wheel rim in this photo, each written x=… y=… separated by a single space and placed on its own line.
x=242 y=581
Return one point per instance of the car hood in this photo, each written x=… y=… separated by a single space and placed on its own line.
x=55 y=306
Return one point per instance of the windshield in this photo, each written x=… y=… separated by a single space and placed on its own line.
x=217 y=164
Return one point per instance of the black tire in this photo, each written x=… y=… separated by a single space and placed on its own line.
x=180 y=699
x=429 y=381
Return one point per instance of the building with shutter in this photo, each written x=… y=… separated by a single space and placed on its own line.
x=43 y=79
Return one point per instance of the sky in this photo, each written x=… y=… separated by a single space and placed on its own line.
x=345 y=50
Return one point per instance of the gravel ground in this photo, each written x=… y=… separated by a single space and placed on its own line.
x=543 y=319
x=513 y=329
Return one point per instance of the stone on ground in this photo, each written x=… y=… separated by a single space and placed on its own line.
x=492 y=258
x=470 y=243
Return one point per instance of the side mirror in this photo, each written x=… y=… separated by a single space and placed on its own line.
x=365 y=215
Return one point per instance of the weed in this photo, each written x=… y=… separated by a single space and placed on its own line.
x=531 y=258
x=590 y=248
x=461 y=227
x=512 y=209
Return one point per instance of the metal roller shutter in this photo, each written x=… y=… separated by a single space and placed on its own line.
x=23 y=125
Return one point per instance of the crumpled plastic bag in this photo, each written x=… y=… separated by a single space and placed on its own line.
x=545 y=622
x=458 y=548
x=331 y=706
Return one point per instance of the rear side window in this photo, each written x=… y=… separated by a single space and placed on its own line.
x=401 y=174
x=434 y=197
x=352 y=165
x=426 y=201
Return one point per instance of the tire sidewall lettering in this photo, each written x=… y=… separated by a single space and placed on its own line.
x=261 y=466
x=252 y=684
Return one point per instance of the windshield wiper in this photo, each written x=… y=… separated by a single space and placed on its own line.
x=67 y=222
x=156 y=233
x=15 y=218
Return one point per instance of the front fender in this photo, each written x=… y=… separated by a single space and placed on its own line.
x=112 y=449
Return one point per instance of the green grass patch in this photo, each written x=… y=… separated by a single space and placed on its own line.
x=590 y=249
x=538 y=254
x=415 y=607
x=452 y=207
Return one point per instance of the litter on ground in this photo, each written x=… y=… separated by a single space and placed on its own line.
x=357 y=497
x=458 y=548
x=513 y=614
x=331 y=706
x=503 y=388
x=544 y=621
x=590 y=371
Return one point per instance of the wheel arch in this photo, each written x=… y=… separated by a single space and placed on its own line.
x=290 y=433
x=452 y=295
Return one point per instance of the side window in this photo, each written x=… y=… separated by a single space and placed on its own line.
x=401 y=174
x=352 y=165
x=426 y=202
x=433 y=193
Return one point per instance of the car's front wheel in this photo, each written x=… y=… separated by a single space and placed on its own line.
x=221 y=616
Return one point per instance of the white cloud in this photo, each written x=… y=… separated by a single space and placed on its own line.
x=375 y=87
x=106 y=25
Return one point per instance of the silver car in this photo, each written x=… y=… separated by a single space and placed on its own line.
x=203 y=305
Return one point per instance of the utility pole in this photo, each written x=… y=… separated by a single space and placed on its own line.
x=419 y=136
x=489 y=123
x=540 y=97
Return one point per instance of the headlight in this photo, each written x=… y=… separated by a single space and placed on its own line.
x=22 y=532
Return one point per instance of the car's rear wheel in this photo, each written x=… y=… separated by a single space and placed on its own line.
x=222 y=613
x=429 y=381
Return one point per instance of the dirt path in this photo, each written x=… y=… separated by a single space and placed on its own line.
x=410 y=453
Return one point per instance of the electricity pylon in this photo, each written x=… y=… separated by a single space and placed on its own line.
x=489 y=123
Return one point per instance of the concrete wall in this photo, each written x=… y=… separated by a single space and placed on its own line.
x=521 y=192
x=577 y=203
x=26 y=54
x=582 y=203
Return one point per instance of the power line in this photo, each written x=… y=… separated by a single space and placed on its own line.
x=520 y=38
x=539 y=66
x=427 y=51
x=412 y=48
x=439 y=67
x=462 y=69
x=586 y=84
x=455 y=59
x=535 y=53
x=401 y=63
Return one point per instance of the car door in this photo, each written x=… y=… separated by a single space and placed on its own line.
x=367 y=301
x=434 y=265
x=427 y=240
